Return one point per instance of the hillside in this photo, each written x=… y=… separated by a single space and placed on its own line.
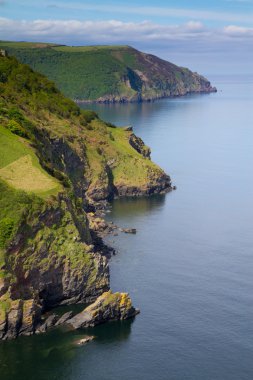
x=108 y=73
x=57 y=163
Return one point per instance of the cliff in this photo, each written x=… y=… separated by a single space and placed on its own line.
x=108 y=73
x=57 y=163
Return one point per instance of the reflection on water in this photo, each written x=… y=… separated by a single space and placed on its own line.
x=125 y=113
x=136 y=206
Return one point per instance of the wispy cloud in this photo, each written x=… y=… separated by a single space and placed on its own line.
x=193 y=43
x=164 y=12
x=238 y=31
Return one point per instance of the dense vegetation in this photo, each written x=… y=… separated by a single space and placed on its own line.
x=107 y=73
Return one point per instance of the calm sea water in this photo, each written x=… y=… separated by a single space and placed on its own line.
x=189 y=268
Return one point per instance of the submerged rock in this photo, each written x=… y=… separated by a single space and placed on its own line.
x=128 y=230
x=109 y=306
x=87 y=339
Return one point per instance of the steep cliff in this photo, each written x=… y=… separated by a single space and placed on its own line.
x=56 y=163
x=108 y=73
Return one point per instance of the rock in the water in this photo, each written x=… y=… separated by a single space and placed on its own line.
x=50 y=322
x=109 y=306
x=64 y=318
x=128 y=230
x=87 y=339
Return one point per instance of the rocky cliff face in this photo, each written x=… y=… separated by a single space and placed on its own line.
x=50 y=261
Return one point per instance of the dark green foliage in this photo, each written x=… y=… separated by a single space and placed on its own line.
x=14 y=204
x=87 y=116
x=6 y=229
x=74 y=72
x=15 y=114
x=16 y=128
x=34 y=91
x=110 y=125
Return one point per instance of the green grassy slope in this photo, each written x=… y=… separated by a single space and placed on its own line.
x=20 y=168
x=107 y=73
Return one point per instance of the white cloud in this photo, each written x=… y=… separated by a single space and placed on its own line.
x=115 y=31
x=238 y=31
x=192 y=44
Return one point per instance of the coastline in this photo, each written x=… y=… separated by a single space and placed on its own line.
x=124 y=100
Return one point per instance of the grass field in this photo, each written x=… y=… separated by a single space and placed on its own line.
x=77 y=49
x=20 y=168
x=25 y=45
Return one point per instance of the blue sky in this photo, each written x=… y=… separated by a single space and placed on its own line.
x=212 y=36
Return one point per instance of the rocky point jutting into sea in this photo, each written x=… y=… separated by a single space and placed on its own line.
x=109 y=74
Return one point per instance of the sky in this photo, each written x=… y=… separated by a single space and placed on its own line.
x=208 y=36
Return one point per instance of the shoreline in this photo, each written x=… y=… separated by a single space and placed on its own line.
x=142 y=100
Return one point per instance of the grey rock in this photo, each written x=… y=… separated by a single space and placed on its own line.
x=50 y=322
x=109 y=306
x=64 y=318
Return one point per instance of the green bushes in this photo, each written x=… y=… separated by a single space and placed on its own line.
x=6 y=229
x=16 y=128
x=87 y=116
x=34 y=89
x=110 y=125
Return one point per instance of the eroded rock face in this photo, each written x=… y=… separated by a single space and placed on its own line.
x=49 y=262
x=19 y=317
x=138 y=144
x=109 y=306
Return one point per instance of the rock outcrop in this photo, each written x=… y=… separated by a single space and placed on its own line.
x=138 y=144
x=108 y=307
x=49 y=262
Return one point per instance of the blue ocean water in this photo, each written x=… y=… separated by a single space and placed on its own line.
x=189 y=268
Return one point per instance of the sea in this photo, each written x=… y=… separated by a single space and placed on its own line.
x=189 y=268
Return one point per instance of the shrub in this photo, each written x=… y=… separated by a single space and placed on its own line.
x=15 y=114
x=110 y=125
x=6 y=229
x=88 y=116
x=16 y=128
